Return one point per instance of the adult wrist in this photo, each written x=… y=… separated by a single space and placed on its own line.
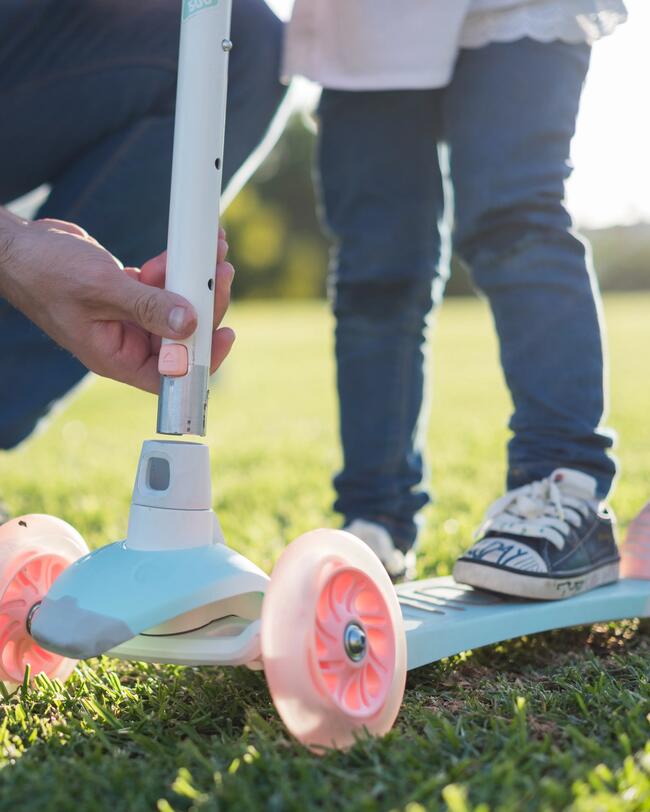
x=8 y=232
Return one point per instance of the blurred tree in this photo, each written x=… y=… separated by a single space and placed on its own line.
x=277 y=244
x=622 y=256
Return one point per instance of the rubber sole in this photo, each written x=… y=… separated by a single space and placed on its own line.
x=533 y=587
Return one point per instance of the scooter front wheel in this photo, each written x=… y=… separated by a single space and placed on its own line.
x=34 y=551
x=333 y=641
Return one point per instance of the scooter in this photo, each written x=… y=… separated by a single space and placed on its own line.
x=333 y=635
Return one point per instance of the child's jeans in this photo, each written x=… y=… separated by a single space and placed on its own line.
x=506 y=120
x=87 y=92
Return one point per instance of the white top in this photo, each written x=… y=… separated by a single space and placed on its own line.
x=374 y=44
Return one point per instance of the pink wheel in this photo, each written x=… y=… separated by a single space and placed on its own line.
x=333 y=641
x=34 y=551
x=39 y=524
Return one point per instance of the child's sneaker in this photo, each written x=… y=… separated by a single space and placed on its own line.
x=548 y=540
x=400 y=566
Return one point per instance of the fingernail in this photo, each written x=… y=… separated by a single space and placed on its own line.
x=177 y=319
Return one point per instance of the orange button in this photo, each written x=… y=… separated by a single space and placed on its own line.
x=173 y=360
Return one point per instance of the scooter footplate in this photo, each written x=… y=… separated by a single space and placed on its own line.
x=443 y=618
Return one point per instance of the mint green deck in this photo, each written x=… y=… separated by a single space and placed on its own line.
x=443 y=618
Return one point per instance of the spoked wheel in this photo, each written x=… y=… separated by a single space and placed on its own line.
x=34 y=551
x=333 y=641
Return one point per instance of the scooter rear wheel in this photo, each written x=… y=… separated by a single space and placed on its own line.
x=34 y=551
x=333 y=641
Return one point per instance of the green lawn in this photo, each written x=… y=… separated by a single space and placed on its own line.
x=555 y=721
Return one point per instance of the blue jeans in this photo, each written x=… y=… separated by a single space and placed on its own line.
x=87 y=92
x=493 y=146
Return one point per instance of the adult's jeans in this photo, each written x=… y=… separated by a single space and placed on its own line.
x=87 y=94
x=493 y=146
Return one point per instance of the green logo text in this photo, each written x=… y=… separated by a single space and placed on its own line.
x=192 y=7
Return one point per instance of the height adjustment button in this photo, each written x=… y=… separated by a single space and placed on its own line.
x=173 y=360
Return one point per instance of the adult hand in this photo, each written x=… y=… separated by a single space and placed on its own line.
x=110 y=317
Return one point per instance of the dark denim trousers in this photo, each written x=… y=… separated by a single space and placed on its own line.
x=493 y=148
x=87 y=92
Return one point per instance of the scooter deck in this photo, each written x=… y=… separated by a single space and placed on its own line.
x=443 y=618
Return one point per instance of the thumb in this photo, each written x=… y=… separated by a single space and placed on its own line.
x=160 y=312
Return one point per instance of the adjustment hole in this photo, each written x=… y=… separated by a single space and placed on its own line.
x=210 y=284
x=217 y=163
x=158 y=474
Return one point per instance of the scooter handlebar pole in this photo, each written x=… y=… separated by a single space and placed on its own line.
x=194 y=209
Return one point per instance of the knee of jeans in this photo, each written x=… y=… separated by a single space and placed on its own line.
x=14 y=433
x=526 y=245
x=384 y=304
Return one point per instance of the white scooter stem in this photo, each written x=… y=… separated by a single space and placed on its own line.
x=194 y=209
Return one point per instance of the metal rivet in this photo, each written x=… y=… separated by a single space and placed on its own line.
x=355 y=642
x=226 y=45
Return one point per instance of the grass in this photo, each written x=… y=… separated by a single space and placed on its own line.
x=556 y=721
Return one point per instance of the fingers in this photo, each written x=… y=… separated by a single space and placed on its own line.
x=222 y=342
x=136 y=361
x=122 y=351
x=222 y=249
x=139 y=297
x=159 y=312
x=223 y=286
x=134 y=273
x=153 y=272
x=147 y=377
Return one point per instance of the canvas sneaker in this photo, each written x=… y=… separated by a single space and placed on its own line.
x=548 y=540
x=400 y=566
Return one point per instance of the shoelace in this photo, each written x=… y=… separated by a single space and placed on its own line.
x=539 y=509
